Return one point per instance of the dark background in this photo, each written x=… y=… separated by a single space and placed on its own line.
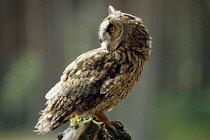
x=39 y=38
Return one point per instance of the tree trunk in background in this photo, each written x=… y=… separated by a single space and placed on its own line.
x=205 y=41
x=12 y=33
x=12 y=43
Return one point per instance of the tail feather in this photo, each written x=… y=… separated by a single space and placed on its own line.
x=44 y=124
x=50 y=121
x=57 y=112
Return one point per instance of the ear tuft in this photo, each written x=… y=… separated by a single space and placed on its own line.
x=111 y=10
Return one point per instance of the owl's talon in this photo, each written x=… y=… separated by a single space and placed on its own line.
x=111 y=128
x=110 y=125
x=117 y=124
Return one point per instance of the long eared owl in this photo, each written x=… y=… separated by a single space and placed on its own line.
x=98 y=80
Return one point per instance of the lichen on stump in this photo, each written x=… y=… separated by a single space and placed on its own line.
x=90 y=129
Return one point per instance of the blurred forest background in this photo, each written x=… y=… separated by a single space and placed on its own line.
x=39 y=38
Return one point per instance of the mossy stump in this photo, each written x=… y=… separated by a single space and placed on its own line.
x=90 y=129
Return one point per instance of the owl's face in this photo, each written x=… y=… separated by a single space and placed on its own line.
x=121 y=28
x=110 y=31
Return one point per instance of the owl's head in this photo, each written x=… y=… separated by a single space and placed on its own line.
x=121 y=29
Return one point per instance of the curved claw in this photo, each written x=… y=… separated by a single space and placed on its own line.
x=117 y=124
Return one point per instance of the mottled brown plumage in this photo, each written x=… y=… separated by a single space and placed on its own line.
x=98 y=80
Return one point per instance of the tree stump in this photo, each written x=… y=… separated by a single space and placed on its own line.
x=90 y=129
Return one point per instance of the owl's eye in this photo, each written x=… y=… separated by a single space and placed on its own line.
x=112 y=29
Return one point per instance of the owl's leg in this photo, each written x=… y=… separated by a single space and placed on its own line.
x=102 y=117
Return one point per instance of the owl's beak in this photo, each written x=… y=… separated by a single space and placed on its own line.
x=111 y=10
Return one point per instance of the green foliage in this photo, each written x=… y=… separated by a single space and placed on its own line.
x=19 y=81
x=182 y=118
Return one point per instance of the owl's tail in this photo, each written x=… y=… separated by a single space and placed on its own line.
x=47 y=122
x=56 y=113
x=44 y=123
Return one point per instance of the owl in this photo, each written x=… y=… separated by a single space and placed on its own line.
x=98 y=80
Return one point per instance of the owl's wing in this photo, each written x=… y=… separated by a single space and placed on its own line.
x=78 y=89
